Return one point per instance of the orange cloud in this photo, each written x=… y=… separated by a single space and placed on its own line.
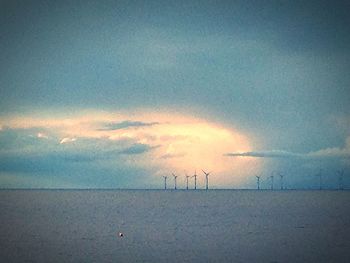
x=183 y=142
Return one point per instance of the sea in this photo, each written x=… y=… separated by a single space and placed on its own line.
x=174 y=226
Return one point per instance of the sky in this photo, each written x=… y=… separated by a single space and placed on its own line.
x=117 y=94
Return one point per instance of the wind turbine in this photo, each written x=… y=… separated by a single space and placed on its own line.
x=195 y=179
x=165 y=177
x=341 y=177
x=175 y=176
x=187 y=176
x=281 y=177
x=206 y=179
x=258 y=181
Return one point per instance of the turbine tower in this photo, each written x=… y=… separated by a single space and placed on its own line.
x=206 y=179
x=187 y=176
x=165 y=177
x=195 y=179
x=281 y=177
x=175 y=176
x=258 y=181
x=340 y=178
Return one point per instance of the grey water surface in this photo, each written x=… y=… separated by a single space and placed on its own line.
x=174 y=226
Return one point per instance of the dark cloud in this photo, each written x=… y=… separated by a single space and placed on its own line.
x=18 y=138
x=138 y=148
x=44 y=170
x=22 y=151
x=126 y=124
x=90 y=165
x=169 y=155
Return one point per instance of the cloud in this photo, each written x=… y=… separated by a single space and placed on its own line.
x=138 y=148
x=42 y=135
x=169 y=155
x=335 y=152
x=328 y=153
x=87 y=154
x=20 y=138
x=75 y=144
x=266 y=154
x=126 y=124
x=67 y=140
x=79 y=169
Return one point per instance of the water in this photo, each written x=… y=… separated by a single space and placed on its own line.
x=174 y=226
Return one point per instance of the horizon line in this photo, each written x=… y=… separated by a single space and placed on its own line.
x=174 y=190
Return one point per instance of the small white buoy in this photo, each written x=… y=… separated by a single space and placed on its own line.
x=120 y=234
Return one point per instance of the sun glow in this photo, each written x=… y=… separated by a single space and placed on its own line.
x=189 y=144
x=178 y=142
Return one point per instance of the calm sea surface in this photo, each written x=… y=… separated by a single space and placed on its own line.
x=174 y=226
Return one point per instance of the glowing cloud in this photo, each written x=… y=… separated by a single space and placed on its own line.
x=42 y=135
x=161 y=142
x=67 y=140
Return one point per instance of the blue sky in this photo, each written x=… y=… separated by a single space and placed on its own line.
x=275 y=71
